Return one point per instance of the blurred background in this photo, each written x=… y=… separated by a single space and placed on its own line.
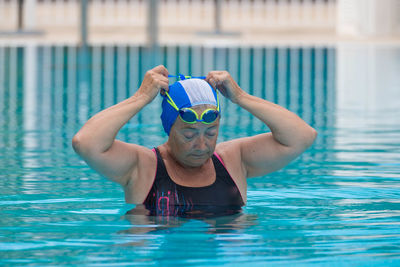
x=198 y=21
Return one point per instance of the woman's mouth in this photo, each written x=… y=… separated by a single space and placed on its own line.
x=199 y=155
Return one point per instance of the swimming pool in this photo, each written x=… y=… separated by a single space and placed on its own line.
x=338 y=204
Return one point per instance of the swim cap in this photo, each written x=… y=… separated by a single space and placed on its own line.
x=186 y=93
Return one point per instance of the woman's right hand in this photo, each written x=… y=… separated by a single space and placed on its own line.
x=154 y=80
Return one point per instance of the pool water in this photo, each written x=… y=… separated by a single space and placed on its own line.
x=337 y=204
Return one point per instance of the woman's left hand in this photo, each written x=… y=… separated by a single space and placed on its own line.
x=224 y=82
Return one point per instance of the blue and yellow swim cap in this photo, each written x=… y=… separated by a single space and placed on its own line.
x=186 y=93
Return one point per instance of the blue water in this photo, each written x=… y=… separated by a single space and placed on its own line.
x=338 y=204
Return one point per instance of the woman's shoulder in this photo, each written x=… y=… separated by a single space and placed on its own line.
x=143 y=178
x=228 y=147
x=229 y=153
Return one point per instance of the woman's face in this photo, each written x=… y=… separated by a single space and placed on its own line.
x=193 y=144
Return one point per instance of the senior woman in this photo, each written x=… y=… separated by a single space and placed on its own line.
x=190 y=169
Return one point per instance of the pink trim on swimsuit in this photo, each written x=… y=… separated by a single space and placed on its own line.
x=215 y=153
x=220 y=159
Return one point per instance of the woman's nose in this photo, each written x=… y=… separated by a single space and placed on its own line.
x=201 y=143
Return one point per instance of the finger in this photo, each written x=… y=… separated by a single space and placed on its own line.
x=164 y=79
x=162 y=70
x=164 y=86
x=160 y=80
x=210 y=78
x=216 y=75
x=210 y=75
x=211 y=81
x=220 y=77
x=216 y=72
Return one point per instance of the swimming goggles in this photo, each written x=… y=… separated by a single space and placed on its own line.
x=189 y=115
x=184 y=77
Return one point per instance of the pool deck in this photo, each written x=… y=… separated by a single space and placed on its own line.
x=132 y=36
x=61 y=27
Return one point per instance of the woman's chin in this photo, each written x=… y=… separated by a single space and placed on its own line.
x=195 y=161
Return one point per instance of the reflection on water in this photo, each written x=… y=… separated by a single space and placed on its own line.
x=218 y=220
x=338 y=202
x=193 y=212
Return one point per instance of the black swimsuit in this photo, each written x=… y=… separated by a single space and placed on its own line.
x=168 y=198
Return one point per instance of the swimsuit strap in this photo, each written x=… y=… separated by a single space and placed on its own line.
x=161 y=172
x=221 y=173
